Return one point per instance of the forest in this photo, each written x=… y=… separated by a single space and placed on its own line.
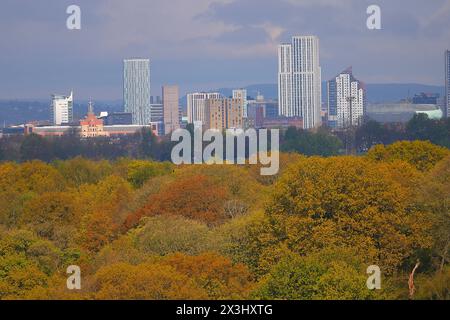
x=145 y=229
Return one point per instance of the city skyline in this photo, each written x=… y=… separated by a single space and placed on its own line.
x=236 y=39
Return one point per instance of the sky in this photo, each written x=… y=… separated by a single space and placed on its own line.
x=208 y=44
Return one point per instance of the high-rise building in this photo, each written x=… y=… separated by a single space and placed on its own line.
x=447 y=84
x=171 y=108
x=224 y=113
x=242 y=94
x=157 y=112
x=285 y=79
x=196 y=105
x=299 y=80
x=136 y=89
x=62 y=109
x=346 y=100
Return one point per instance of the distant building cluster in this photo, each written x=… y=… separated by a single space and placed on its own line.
x=299 y=102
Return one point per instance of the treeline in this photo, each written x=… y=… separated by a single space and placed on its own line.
x=420 y=127
x=144 y=145
x=149 y=230
x=141 y=145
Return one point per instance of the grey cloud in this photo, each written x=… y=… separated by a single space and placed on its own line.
x=195 y=42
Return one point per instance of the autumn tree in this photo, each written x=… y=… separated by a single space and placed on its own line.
x=27 y=262
x=321 y=276
x=435 y=196
x=54 y=216
x=218 y=276
x=421 y=154
x=148 y=281
x=21 y=183
x=163 y=235
x=195 y=197
x=348 y=202
x=137 y=172
x=103 y=207
x=80 y=171
x=247 y=240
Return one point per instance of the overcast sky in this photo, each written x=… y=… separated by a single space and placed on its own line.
x=207 y=44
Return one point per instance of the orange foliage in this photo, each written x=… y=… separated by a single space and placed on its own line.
x=214 y=273
x=195 y=197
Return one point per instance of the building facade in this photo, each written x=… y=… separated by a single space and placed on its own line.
x=224 y=113
x=171 y=108
x=157 y=112
x=299 y=80
x=196 y=106
x=447 y=84
x=62 y=109
x=136 y=89
x=91 y=126
x=242 y=95
x=346 y=101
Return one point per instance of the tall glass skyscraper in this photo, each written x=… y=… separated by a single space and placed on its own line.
x=299 y=80
x=447 y=84
x=136 y=89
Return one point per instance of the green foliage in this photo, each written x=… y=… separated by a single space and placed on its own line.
x=435 y=288
x=26 y=262
x=246 y=239
x=80 y=171
x=35 y=147
x=163 y=235
x=316 y=277
x=420 y=127
x=137 y=172
x=308 y=143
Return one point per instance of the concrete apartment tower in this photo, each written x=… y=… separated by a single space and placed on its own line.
x=62 y=109
x=224 y=113
x=242 y=94
x=196 y=106
x=170 y=97
x=346 y=101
